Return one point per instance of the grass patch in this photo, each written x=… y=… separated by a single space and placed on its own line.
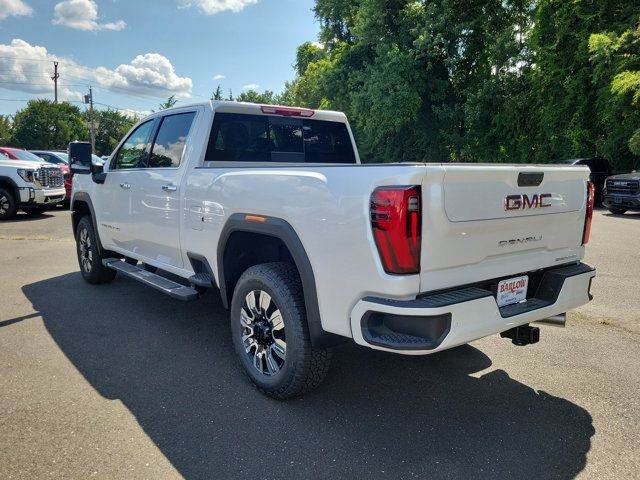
x=20 y=237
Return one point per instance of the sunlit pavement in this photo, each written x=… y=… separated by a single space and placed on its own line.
x=118 y=381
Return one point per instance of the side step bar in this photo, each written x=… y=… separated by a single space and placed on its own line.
x=171 y=288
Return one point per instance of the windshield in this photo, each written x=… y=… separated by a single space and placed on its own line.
x=24 y=155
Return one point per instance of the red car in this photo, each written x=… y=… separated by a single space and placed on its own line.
x=21 y=154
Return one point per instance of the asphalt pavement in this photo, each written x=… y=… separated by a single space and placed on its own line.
x=119 y=381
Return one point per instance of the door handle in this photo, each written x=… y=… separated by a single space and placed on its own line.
x=125 y=185
x=169 y=188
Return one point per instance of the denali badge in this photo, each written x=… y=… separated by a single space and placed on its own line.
x=526 y=202
x=519 y=241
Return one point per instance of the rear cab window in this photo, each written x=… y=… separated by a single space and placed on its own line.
x=168 y=145
x=265 y=138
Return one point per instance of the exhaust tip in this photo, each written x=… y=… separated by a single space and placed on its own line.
x=555 y=321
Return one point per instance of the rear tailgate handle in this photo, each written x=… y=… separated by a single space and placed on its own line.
x=169 y=188
x=530 y=179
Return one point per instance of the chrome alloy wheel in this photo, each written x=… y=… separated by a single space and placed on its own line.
x=263 y=335
x=86 y=255
x=4 y=204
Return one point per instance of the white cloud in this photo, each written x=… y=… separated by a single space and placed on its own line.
x=211 y=7
x=13 y=8
x=27 y=68
x=148 y=73
x=218 y=77
x=251 y=86
x=135 y=113
x=82 y=15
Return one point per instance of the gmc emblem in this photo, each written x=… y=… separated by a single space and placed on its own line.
x=527 y=202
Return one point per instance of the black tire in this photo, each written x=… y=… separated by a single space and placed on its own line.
x=8 y=204
x=89 y=258
x=39 y=210
x=303 y=367
x=618 y=211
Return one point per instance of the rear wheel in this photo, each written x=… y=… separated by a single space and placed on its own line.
x=618 y=211
x=8 y=205
x=270 y=333
x=89 y=258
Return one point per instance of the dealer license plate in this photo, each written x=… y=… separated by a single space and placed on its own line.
x=512 y=290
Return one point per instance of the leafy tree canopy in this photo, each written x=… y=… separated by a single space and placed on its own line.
x=47 y=125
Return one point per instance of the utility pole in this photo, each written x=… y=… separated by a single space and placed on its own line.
x=89 y=99
x=55 y=78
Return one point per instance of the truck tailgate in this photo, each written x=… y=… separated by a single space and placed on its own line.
x=482 y=222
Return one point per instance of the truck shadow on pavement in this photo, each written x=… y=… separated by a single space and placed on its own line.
x=376 y=415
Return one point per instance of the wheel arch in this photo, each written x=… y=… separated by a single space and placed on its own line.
x=244 y=243
x=81 y=205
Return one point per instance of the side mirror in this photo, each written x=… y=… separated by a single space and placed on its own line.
x=80 y=157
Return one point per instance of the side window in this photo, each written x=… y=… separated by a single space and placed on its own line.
x=132 y=152
x=170 y=141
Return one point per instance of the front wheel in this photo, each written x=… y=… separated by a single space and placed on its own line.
x=8 y=205
x=89 y=258
x=270 y=332
x=618 y=211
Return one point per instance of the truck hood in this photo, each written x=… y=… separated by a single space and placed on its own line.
x=625 y=176
x=24 y=164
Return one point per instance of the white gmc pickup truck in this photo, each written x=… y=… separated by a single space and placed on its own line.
x=271 y=207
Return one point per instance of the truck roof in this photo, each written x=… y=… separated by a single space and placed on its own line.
x=227 y=106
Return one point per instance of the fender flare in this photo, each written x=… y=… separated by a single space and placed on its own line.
x=83 y=197
x=281 y=229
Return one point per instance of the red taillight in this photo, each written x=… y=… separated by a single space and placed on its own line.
x=287 y=111
x=396 y=222
x=589 y=216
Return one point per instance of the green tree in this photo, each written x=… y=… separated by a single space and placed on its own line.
x=111 y=127
x=6 y=130
x=47 y=125
x=217 y=94
x=616 y=60
x=251 y=96
x=168 y=103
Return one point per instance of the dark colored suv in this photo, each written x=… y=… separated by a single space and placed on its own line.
x=600 y=170
x=622 y=193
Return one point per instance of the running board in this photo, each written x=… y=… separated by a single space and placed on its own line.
x=171 y=288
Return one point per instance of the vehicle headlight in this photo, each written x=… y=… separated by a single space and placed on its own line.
x=26 y=175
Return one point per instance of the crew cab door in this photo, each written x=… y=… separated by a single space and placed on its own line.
x=113 y=199
x=156 y=194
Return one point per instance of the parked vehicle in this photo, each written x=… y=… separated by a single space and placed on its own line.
x=62 y=160
x=600 y=169
x=270 y=206
x=32 y=186
x=622 y=193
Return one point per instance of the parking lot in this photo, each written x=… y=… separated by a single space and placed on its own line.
x=119 y=381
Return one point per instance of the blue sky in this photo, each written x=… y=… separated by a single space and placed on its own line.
x=137 y=52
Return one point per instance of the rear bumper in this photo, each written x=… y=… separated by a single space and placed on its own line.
x=440 y=321
x=627 y=202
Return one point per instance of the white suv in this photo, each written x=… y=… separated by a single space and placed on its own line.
x=30 y=186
